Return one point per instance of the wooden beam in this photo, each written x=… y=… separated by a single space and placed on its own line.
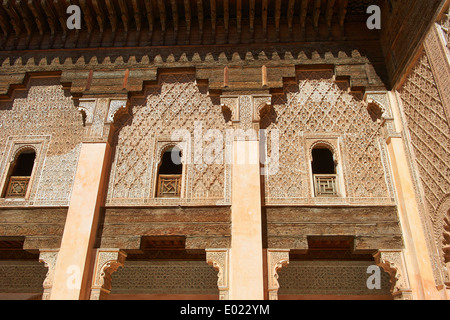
x=264 y=14
x=200 y=18
x=188 y=18
x=5 y=27
x=124 y=14
x=239 y=18
x=213 y=18
x=277 y=18
x=137 y=15
x=329 y=12
x=290 y=15
x=174 y=6
x=162 y=18
x=341 y=18
x=38 y=17
x=252 y=19
x=24 y=16
x=329 y=15
x=226 y=19
x=51 y=19
x=342 y=12
x=14 y=19
x=150 y=19
x=61 y=14
x=112 y=15
x=303 y=13
x=87 y=14
x=316 y=13
x=100 y=15
x=137 y=19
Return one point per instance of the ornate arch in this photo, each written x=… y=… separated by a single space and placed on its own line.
x=327 y=144
x=16 y=153
x=168 y=145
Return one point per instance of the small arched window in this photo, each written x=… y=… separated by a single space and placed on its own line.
x=324 y=172
x=170 y=173
x=20 y=174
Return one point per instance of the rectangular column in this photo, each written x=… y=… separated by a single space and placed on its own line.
x=246 y=253
x=71 y=278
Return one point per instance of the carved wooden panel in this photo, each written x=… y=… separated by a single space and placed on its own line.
x=22 y=276
x=329 y=278
x=41 y=227
x=203 y=227
x=165 y=277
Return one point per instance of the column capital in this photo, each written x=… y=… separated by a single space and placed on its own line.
x=107 y=261
x=102 y=116
x=393 y=262
x=276 y=259
x=245 y=109
x=48 y=257
x=218 y=259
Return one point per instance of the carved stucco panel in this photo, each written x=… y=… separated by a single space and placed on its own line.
x=176 y=106
x=315 y=105
x=426 y=122
x=44 y=111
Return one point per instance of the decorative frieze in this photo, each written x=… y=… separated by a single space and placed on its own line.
x=333 y=277
x=165 y=277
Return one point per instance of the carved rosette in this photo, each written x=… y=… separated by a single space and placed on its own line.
x=218 y=259
x=48 y=257
x=276 y=259
x=392 y=262
x=106 y=263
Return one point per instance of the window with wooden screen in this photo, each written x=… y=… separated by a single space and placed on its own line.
x=170 y=174
x=324 y=173
x=20 y=175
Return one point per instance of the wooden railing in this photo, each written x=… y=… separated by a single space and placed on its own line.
x=169 y=185
x=17 y=187
x=325 y=185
